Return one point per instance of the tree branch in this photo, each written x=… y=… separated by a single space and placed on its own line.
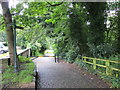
x=1 y=23
x=54 y=4
x=17 y=12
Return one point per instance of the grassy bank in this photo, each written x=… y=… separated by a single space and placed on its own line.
x=25 y=74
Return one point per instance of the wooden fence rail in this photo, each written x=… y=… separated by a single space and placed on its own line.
x=25 y=53
x=107 y=65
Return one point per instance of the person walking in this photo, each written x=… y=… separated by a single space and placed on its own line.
x=56 y=58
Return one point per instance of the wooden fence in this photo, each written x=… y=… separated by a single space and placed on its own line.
x=107 y=65
x=25 y=53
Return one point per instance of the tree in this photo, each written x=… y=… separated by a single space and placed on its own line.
x=78 y=28
x=97 y=17
x=118 y=38
x=9 y=29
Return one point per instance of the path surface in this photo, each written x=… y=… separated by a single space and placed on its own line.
x=63 y=75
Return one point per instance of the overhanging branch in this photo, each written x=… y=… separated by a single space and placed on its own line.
x=17 y=12
x=54 y=4
x=1 y=23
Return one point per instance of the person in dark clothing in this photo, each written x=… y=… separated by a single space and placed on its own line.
x=56 y=58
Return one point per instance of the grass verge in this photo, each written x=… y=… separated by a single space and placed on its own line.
x=25 y=74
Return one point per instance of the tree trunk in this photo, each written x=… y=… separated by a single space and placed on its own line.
x=97 y=17
x=9 y=29
x=118 y=38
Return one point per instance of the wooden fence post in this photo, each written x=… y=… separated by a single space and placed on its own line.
x=108 y=71
x=29 y=52
x=94 y=64
x=84 y=59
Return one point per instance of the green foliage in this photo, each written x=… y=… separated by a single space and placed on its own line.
x=27 y=79
x=7 y=74
x=113 y=80
x=102 y=50
x=115 y=58
x=73 y=29
x=23 y=76
x=38 y=54
x=2 y=30
x=64 y=27
x=72 y=54
x=97 y=16
x=24 y=59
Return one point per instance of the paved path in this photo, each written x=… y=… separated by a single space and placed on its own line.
x=63 y=75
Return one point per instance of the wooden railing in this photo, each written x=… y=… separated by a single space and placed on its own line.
x=25 y=53
x=107 y=65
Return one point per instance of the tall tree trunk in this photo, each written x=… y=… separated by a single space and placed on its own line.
x=97 y=18
x=9 y=29
x=118 y=38
x=77 y=29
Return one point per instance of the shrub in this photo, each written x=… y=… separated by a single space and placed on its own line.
x=103 y=50
x=24 y=59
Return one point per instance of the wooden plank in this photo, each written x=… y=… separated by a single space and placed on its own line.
x=19 y=52
x=101 y=65
x=102 y=59
x=114 y=61
x=107 y=66
x=104 y=66
x=94 y=63
x=116 y=69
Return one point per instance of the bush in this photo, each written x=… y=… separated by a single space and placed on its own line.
x=24 y=59
x=103 y=50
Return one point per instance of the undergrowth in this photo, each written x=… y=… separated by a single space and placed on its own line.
x=25 y=74
x=114 y=79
